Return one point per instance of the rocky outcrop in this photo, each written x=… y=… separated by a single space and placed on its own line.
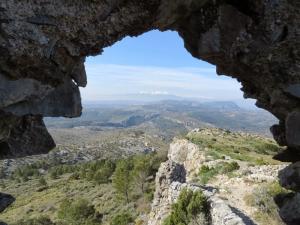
x=290 y=177
x=187 y=154
x=290 y=209
x=168 y=173
x=5 y=201
x=176 y=174
x=22 y=136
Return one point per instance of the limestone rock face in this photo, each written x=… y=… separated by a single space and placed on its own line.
x=168 y=173
x=187 y=154
x=173 y=176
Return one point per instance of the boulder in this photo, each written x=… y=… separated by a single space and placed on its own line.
x=289 y=177
x=5 y=201
x=292 y=128
x=290 y=211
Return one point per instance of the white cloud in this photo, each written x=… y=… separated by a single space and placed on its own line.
x=153 y=92
x=106 y=80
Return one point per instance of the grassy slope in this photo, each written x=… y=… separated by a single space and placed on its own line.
x=31 y=203
x=257 y=197
x=217 y=143
x=240 y=146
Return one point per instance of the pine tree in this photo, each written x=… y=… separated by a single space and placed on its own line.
x=122 y=178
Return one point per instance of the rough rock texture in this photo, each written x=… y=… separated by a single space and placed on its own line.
x=23 y=136
x=290 y=210
x=168 y=173
x=43 y=45
x=186 y=154
x=172 y=177
x=290 y=177
x=5 y=201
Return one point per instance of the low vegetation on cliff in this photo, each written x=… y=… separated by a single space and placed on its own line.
x=98 y=192
x=191 y=208
x=206 y=173
x=219 y=143
x=119 y=190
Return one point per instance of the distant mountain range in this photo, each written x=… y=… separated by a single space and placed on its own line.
x=148 y=98
x=169 y=117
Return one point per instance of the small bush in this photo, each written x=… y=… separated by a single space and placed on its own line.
x=25 y=172
x=122 y=219
x=78 y=212
x=206 y=173
x=229 y=167
x=75 y=176
x=104 y=173
x=42 y=182
x=190 y=208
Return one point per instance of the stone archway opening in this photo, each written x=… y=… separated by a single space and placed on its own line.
x=149 y=69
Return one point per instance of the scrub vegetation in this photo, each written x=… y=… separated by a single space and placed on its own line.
x=98 y=192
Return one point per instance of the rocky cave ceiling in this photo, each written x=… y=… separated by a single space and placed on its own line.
x=43 y=45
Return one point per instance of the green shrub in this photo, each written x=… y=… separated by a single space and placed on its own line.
x=207 y=173
x=42 y=182
x=229 y=167
x=24 y=172
x=190 y=208
x=122 y=219
x=78 y=212
x=104 y=172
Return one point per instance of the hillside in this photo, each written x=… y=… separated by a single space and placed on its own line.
x=234 y=172
x=168 y=118
x=232 y=164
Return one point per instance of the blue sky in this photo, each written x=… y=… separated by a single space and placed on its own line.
x=155 y=63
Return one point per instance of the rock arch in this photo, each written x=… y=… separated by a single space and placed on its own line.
x=43 y=45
